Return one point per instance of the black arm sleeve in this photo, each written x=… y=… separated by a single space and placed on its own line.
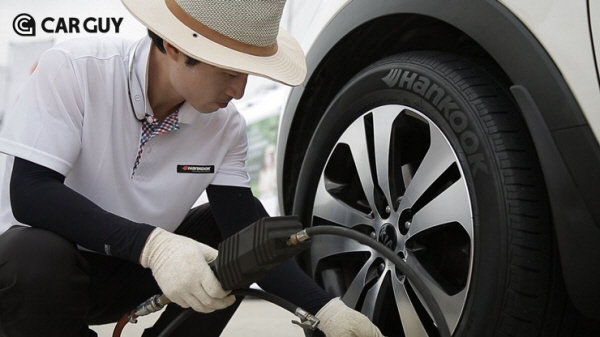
x=40 y=198
x=235 y=208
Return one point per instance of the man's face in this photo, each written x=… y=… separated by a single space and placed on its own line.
x=206 y=87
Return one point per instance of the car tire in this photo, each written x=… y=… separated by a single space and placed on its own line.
x=428 y=153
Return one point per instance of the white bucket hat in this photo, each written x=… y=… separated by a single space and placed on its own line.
x=239 y=35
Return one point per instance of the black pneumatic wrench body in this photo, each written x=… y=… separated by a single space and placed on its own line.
x=243 y=259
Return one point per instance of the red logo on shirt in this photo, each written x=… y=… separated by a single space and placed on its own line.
x=195 y=169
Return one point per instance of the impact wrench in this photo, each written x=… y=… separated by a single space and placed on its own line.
x=243 y=259
x=248 y=255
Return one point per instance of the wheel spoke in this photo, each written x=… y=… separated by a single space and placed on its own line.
x=359 y=284
x=329 y=245
x=452 y=205
x=337 y=212
x=355 y=138
x=451 y=305
x=383 y=121
x=437 y=160
x=411 y=323
x=374 y=298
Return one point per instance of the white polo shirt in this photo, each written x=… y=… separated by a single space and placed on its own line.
x=75 y=117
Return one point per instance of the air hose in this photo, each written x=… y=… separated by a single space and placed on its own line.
x=307 y=321
x=239 y=278
x=411 y=275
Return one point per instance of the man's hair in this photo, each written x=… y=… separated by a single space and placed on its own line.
x=158 y=42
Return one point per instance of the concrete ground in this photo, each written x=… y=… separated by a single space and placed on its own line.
x=254 y=318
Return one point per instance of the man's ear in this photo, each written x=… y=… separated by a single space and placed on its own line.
x=171 y=50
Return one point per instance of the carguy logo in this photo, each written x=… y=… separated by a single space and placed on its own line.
x=25 y=25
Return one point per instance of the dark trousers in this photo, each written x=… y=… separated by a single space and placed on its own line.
x=50 y=288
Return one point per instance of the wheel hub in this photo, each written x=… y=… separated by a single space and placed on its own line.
x=388 y=237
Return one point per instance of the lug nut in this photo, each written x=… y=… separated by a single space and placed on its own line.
x=388 y=209
x=407 y=224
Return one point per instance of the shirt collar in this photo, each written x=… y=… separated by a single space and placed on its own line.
x=187 y=114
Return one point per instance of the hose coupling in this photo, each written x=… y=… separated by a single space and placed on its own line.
x=298 y=238
x=153 y=304
x=307 y=320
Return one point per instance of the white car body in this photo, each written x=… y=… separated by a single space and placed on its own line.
x=561 y=27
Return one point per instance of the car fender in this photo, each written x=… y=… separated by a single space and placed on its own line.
x=553 y=86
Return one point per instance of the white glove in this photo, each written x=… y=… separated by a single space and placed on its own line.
x=180 y=267
x=338 y=320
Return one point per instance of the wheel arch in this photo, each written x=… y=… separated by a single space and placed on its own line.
x=489 y=32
